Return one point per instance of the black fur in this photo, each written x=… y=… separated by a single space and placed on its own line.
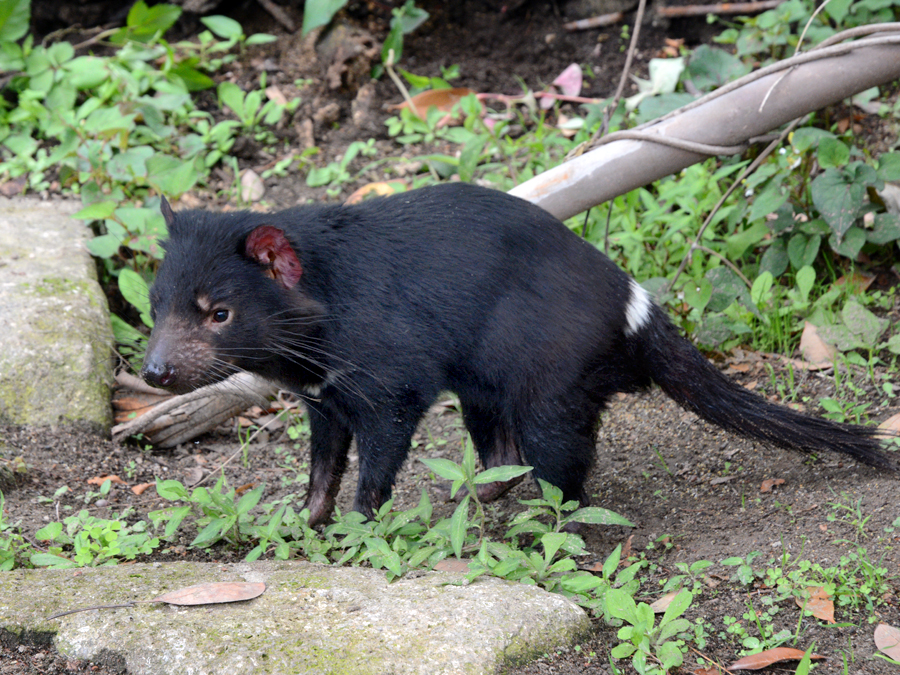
x=454 y=288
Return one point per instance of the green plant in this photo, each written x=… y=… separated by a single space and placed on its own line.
x=649 y=645
x=93 y=541
x=13 y=546
x=222 y=515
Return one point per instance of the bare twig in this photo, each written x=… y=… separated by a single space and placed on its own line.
x=600 y=21
x=734 y=185
x=718 y=8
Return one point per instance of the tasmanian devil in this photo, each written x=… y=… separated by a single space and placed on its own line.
x=370 y=311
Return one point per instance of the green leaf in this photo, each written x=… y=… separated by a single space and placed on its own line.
x=698 y=294
x=838 y=198
x=889 y=166
x=595 y=515
x=444 y=468
x=726 y=288
x=320 y=12
x=759 y=292
x=393 y=41
x=850 y=245
x=805 y=278
x=126 y=334
x=832 y=153
x=802 y=249
x=500 y=474
x=863 y=322
x=172 y=490
x=14 y=18
x=775 y=258
x=551 y=543
x=768 y=201
x=134 y=290
x=171 y=176
x=104 y=246
x=885 y=230
x=96 y=211
x=223 y=26
x=621 y=605
x=410 y=17
x=678 y=606
x=459 y=525
x=736 y=244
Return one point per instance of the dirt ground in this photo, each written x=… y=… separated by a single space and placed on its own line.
x=693 y=492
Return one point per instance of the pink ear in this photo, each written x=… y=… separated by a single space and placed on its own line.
x=269 y=247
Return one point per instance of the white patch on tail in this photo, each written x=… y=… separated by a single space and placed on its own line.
x=637 y=311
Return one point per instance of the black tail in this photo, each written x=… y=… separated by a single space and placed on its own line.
x=697 y=385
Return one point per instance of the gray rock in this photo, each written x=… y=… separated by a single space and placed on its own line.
x=311 y=619
x=56 y=341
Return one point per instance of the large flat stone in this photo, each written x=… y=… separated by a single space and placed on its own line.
x=311 y=619
x=55 y=341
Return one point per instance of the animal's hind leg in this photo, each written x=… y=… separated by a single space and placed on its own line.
x=559 y=443
x=496 y=445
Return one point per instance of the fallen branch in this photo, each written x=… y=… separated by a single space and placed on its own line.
x=730 y=116
x=718 y=8
x=178 y=419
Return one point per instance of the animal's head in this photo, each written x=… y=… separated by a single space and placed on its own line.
x=228 y=297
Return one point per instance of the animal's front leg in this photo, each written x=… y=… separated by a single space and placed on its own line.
x=330 y=442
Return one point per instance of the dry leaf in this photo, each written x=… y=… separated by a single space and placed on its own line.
x=817 y=352
x=442 y=99
x=769 y=483
x=661 y=605
x=891 y=424
x=768 y=657
x=252 y=188
x=706 y=671
x=819 y=604
x=100 y=480
x=452 y=565
x=859 y=282
x=213 y=593
x=142 y=488
x=273 y=93
x=626 y=548
x=887 y=639
x=380 y=189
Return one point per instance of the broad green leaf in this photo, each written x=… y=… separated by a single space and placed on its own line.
x=832 y=153
x=621 y=605
x=500 y=474
x=320 y=12
x=697 y=294
x=171 y=176
x=775 y=258
x=805 y=278
x=96 y=211
x=126 y=334
x=14 y=18
x=736 y=244
x=863 y=322
x=850 y=245
x=104 y=246
x=802 y=249
x=889 y=166
x=444 y=468
x=223 y=26
x=726 y=288
x=838 y=198
x=768 y=201
x=759 y=292
x=678 y=606
x=885 y=230
x=595 y=515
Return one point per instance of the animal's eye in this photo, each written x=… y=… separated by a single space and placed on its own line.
x=221 y=315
